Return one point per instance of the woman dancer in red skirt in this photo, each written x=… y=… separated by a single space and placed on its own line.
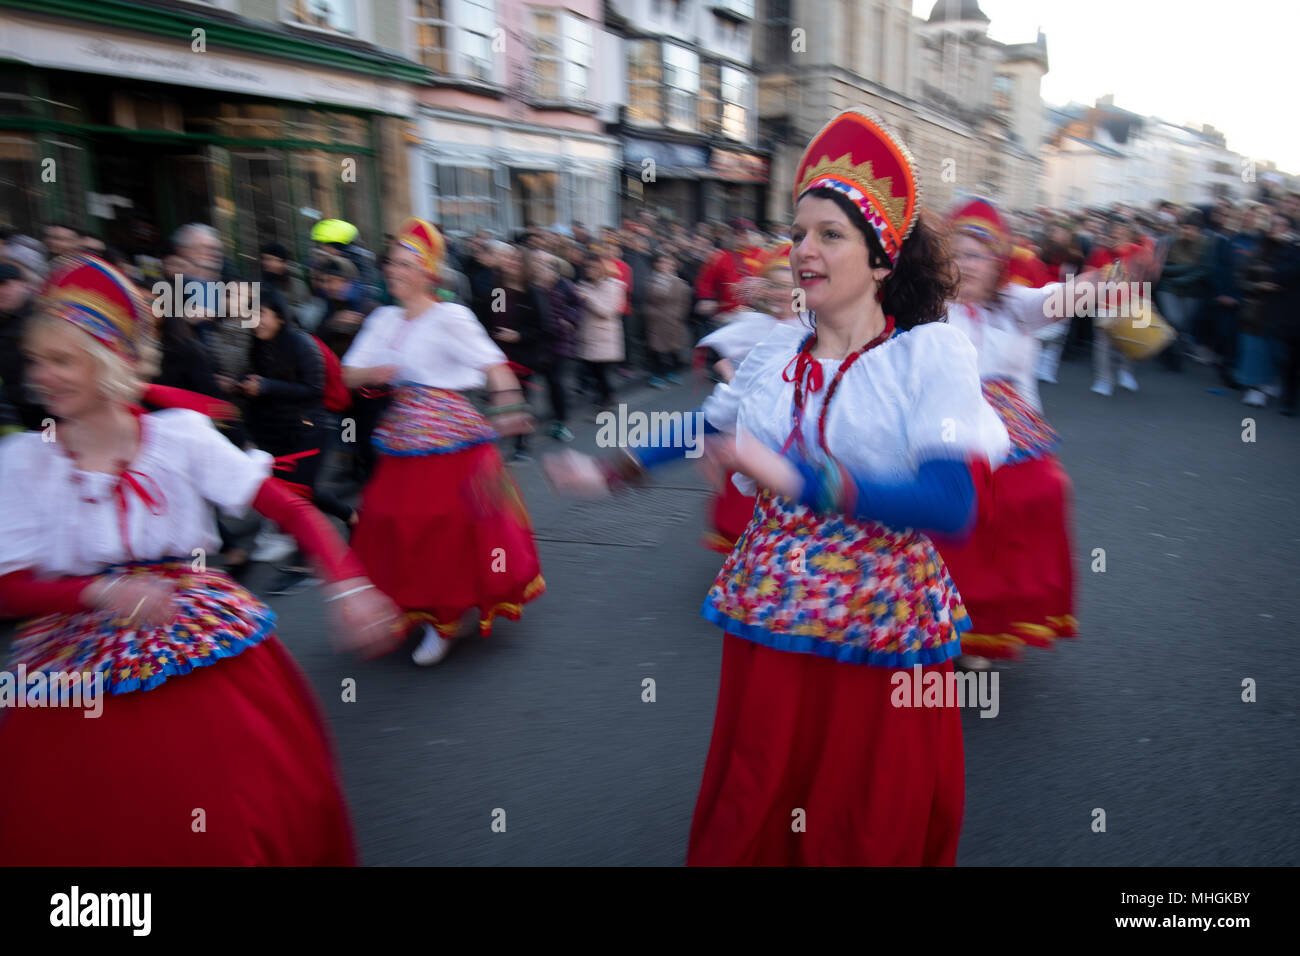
x=443 y=529
x=834 y=596
x=150 y=716
x=1016 y=571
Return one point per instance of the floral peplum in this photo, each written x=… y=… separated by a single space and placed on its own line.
x=1031 y=437
x=215 y=619
x=422 y=420
x=855 y=591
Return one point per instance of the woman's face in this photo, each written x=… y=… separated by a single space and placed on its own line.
x=978 y=267
x=780 y=293
x=829 y=258
x=268 y=323
x=404 y=272
x=61 y=371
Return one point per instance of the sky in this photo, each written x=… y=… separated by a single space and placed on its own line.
x=1232 y=65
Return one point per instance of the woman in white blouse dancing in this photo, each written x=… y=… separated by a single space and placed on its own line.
x=1015 y=573
x=206 y=745
x=443 y=529
x=863 y=434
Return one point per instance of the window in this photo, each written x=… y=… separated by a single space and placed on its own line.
x=562 y=53
x=1002 y=92
x=534 y=194
x=338 y=16
x=433 y=35
x=454 y=37
x=589 y=201
x=477 y=21
x=779 y=40
x=735 y=97
x=644 y=77
x=464 y=198
x=682 y=80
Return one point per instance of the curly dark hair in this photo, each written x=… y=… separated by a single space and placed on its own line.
x=924 y=279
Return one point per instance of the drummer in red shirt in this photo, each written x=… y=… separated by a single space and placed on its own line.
x=718 y=284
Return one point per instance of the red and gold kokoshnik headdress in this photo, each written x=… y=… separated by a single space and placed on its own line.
x=981 y=219
x=857 y=155
x=425 y=241
x=99 y=300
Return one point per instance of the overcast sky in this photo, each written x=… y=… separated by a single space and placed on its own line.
x=1233 y=65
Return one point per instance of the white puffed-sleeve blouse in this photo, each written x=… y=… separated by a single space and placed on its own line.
x=910 y=399
x=58 y=520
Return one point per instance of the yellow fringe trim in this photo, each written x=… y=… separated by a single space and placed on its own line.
x=506 y=609
x=717 y=542
x=1057 y=628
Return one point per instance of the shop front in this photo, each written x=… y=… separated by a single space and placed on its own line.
x=692 y=183
x=501 y=176
x=129 y=138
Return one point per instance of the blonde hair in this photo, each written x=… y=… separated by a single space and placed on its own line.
x=118 y=379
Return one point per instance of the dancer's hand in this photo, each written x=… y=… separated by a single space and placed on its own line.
x=367 y=622
x=382 y=374
x=138 y=601
x=749 y=456
x=573 y=473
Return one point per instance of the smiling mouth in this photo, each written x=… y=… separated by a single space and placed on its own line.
x=806 y=277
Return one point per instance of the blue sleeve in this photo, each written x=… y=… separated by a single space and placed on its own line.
x=652 y=456
x=941 y=498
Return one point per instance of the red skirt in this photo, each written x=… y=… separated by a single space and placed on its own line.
x=229 y=765
x=730 y=511
x=443 y=533
x=879 y=785
x=1015 y=573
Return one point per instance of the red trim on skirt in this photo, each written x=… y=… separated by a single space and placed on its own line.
x=1015 y=573
x=879 y=785
x=729 y=511
x=440 y=534
x=243 y=740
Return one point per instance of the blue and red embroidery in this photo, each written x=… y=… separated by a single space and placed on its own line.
x=855 y=591
x=430 y=421
x=215 y=619
x=1031 y=437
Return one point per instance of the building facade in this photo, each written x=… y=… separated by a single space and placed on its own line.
x=128 y=119
x=687 y=118
x=511 y=126
x=968 y=107
x=1101 y=155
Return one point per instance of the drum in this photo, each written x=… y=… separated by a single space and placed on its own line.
x=1141 y=336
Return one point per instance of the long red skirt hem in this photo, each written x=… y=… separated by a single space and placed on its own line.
x=811 y=765
x=443 y=534
x=1016 y=573
x=229 y=765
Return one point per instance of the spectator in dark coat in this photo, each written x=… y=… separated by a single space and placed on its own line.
x=561 y=312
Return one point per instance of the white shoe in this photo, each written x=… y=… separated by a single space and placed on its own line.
x=271 y=546
x=1272 y=391
x=972 y=662
x=1126 y=380
x=1255 y=397
x=433 y=648
x=1103 y=388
